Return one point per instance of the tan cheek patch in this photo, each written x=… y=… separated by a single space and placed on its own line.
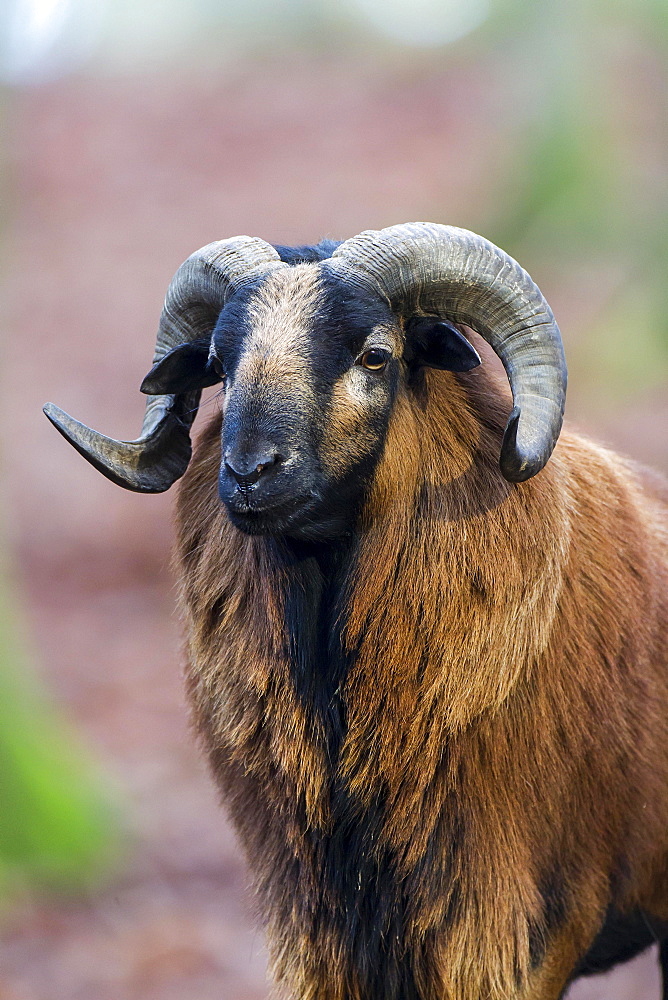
x=349 y=436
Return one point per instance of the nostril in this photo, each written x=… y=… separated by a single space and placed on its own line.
x=243 y=481
x=247 y=469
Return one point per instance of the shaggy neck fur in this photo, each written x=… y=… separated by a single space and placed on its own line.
x=375 y=709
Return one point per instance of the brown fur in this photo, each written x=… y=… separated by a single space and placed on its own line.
x=504 y=756
x=274 y=354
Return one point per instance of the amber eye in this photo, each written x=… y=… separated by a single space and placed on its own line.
x=374 y=360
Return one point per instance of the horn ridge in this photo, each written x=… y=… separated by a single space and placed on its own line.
x=431 y=268
x=196 y=295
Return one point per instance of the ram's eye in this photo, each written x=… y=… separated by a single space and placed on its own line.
x=216 y=366
x=374 y=360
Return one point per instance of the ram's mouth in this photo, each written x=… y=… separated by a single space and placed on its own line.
x=275 y=519
x=306 y=518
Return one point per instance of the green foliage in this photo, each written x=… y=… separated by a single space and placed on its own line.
x=55 y=827
x=587 y=186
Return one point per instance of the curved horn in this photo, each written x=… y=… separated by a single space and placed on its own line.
x=427 y=268
x=197 y=293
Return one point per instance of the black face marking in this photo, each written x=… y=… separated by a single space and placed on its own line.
x=337 y=329
x=435 y=343
x=340 y=327
x=232 y=329
x=289 y=346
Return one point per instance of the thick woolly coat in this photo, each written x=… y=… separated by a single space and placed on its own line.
x=443 y=738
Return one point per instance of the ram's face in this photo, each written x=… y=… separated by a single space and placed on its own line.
x=310 y=373
x=312 y=355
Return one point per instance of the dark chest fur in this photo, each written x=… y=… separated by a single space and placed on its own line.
x=360 y=898
x=326 y=874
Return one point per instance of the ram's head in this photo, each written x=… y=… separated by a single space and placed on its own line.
x=311 y=357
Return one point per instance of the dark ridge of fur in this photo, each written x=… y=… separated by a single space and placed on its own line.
x=370 y=909
x=313 y=605
x=437 y=747
x=365 y=907
x=307 y=254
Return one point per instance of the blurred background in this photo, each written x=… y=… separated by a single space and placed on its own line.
x=134 y=132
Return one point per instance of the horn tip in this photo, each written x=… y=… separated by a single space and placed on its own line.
x=61 y=421
x=520 y=461
x=125 y=469
x=51 y=410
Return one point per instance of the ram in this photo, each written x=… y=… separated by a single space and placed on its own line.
x=433 y=691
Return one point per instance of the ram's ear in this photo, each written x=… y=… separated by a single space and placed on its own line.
x=435 y=343
x=184 y=369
